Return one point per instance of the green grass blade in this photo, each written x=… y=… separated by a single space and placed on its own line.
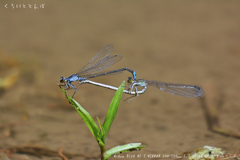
x=112 y=111
x=102 y=132
x=124 y=148
x=85 y=116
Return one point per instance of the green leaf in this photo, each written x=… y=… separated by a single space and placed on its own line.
x=124 y=148
x=102 y=132
x=112 y=111
x=85 y=116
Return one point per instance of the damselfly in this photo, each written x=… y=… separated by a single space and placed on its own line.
x=98 y=63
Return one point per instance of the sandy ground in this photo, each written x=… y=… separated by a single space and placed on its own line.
x=189 y=42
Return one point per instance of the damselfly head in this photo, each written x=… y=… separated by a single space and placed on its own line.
x=62 y=80
x=130 y=80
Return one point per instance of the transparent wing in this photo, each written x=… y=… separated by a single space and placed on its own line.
x=177 y=89
x=100 y=56
x=100 y=66
x=101 y=74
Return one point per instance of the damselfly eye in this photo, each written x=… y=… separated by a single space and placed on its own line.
x=62 y=80
x=130 y=80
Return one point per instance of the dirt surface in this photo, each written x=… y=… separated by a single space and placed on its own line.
x=189 y=42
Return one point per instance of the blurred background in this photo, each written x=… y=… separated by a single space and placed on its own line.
x=188 y=42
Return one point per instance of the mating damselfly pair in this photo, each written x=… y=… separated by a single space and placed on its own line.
x=102 y=61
